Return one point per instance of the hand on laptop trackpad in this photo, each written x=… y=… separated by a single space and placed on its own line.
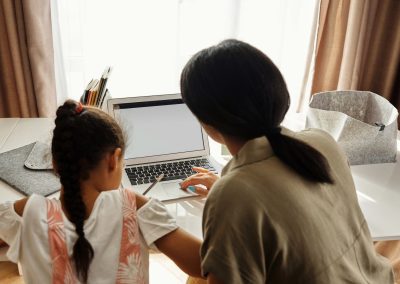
x=168 y=191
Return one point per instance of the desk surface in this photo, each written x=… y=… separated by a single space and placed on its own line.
x=378 y=186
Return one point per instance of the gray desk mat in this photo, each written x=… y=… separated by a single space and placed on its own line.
x=14 y=172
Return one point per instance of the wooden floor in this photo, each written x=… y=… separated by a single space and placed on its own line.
x=162 y=270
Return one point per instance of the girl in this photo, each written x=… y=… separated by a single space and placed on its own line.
x=92 y=233
x=285 y=209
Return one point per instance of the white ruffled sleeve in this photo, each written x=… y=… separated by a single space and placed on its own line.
x=155 y=221
x=10 y=229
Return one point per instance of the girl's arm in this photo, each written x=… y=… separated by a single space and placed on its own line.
x=183 y=249
x=180 y=246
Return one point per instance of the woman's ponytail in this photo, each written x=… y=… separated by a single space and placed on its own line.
x=238 y=90
x=301 y=157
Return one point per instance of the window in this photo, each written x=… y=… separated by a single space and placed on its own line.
x=148 y=42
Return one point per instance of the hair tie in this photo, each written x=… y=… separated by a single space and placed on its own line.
x=79 y=108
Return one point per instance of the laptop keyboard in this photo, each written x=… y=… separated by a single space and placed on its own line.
x=171 y=171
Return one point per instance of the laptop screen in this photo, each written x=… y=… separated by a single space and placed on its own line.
x=158 y=128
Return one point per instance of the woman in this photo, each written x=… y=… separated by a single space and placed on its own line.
x=285 y=209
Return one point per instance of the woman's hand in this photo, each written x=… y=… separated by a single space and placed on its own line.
x=204 y=177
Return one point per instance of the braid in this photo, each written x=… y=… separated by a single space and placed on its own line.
x=81 y=138
x=69 y=171
x=82 y=252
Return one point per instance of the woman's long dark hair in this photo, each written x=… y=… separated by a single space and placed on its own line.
x=238 y=90
x=81 y=138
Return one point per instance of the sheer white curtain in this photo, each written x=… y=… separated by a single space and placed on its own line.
x=148 y=42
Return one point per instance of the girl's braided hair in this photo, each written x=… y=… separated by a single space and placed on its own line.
x=81 y=138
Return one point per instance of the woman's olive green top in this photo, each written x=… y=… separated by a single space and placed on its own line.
x=263 y=223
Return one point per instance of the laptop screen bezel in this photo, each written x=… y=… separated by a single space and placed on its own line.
x=111 y=103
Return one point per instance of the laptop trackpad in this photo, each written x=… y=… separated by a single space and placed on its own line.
x=165 y=191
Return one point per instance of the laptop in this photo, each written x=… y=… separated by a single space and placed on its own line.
x=163 y=137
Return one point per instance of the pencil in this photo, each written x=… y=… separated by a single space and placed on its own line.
x=159 y=178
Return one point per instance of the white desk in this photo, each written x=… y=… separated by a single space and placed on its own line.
x=7 y=125
x=378 y=190
x=378 y=186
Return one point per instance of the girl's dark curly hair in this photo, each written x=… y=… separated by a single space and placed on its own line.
x=81 y=138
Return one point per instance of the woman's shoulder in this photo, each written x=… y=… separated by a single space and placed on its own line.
x=315 y=134
x=322 y=141
x=232 y=186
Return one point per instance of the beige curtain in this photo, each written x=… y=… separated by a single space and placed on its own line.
x=27 y=80
x=358 y=47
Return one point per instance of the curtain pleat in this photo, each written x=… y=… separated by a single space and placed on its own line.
x=27 y=83
x=383 y=54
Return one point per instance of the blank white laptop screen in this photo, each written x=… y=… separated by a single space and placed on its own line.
x=159 y=127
